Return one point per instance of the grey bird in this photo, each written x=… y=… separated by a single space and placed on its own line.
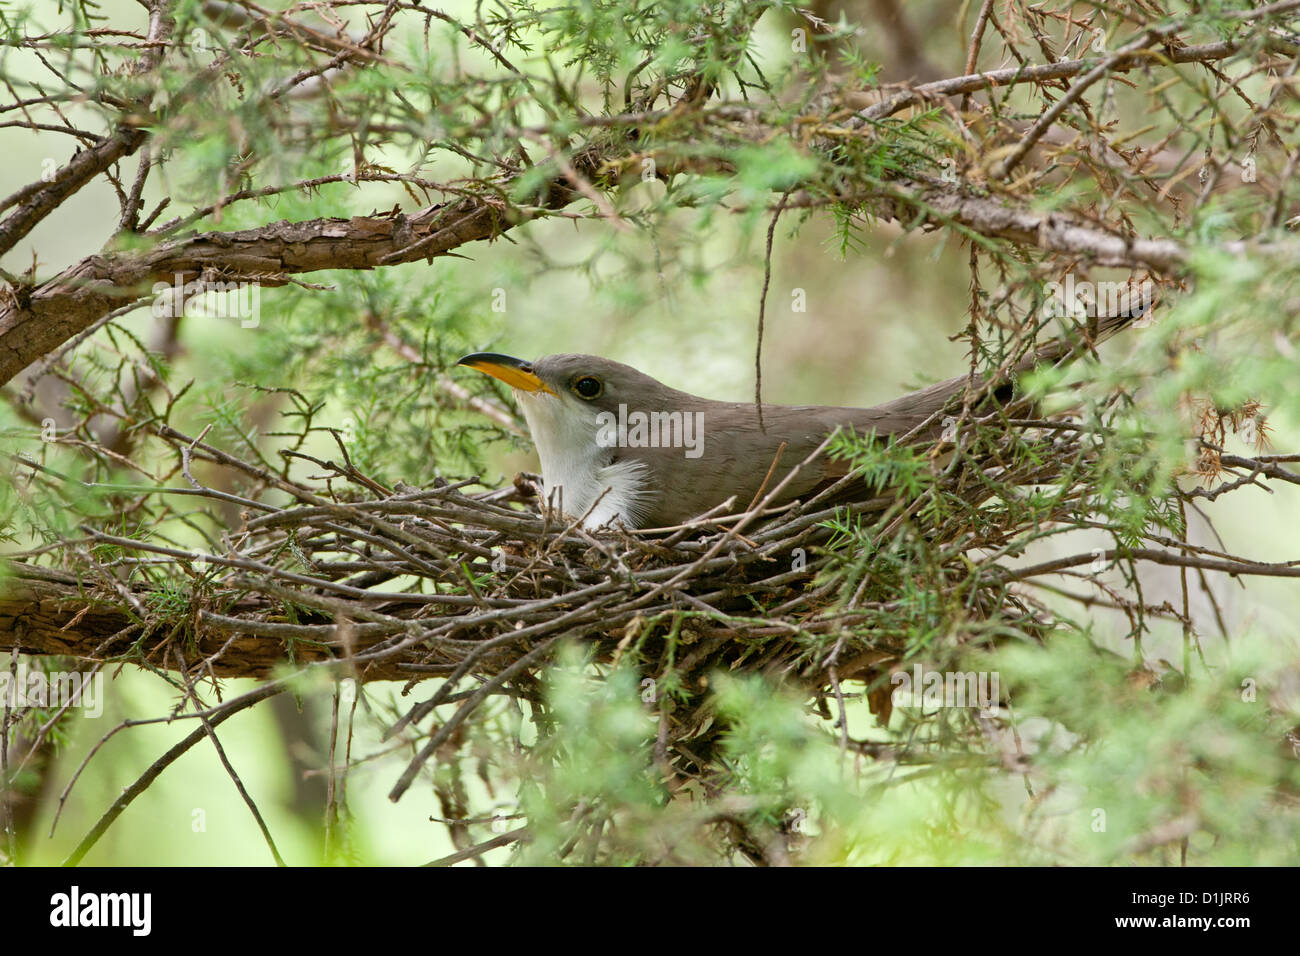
x=619 y=446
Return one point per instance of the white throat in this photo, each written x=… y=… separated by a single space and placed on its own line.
x=576 y=474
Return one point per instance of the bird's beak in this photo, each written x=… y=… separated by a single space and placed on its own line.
x=514 y=372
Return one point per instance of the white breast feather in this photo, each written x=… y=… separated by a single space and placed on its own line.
x=565 y=435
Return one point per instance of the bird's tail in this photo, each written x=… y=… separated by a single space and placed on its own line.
x=1081 y=337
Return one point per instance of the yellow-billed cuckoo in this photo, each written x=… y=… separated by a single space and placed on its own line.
x=615 y=443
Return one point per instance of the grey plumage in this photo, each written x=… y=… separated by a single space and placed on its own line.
x=736 y=453
x=648 y=487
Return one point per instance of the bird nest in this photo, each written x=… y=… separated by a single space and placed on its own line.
x=408 y=583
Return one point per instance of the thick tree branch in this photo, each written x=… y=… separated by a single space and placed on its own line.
x=32 y=325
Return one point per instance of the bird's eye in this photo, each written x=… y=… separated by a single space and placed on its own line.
x=588 y=387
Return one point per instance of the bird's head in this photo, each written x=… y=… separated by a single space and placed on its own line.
x=571 y=388
x=570 y=402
